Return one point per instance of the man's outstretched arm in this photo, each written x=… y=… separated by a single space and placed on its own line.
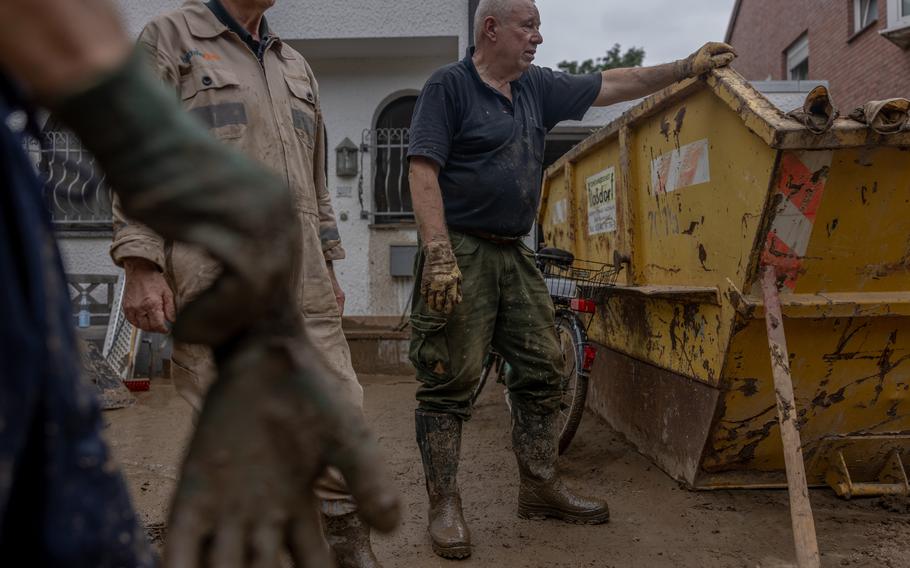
x=631 y=83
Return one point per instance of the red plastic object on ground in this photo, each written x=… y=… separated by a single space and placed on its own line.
x=137 y=385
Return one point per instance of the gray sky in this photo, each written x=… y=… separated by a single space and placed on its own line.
x=666 y=29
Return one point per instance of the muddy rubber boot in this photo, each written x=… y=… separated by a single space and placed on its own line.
x=542 y=492
x=349 y=539
x=439 y=438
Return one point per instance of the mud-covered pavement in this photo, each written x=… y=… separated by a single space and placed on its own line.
x=655 y=522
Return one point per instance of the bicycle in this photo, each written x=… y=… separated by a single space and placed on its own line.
x=576 y=287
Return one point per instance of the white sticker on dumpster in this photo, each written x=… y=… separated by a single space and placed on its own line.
x=681 y=168
x=560 y=212
x=602 y=202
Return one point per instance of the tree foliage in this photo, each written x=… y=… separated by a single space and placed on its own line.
x=633 y=57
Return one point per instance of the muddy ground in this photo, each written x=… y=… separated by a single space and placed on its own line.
x=655 y=522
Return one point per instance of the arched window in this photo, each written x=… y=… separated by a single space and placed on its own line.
x=388 y=143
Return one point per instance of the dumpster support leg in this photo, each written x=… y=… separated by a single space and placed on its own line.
x=800 y=508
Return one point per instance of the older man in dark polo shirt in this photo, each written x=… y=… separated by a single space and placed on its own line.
x=477 y=145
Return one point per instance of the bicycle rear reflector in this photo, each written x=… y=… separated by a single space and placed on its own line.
x=590 y=353
x=583 y=306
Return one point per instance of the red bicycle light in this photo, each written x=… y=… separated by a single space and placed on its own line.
x=583 y=306
x=590 y=354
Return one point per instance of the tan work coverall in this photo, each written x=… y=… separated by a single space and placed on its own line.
x=269 y=111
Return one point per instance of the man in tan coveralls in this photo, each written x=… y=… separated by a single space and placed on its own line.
x=255 y=93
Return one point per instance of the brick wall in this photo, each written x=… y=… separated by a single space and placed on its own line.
x=859 y=67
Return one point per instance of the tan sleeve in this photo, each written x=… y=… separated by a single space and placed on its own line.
x=328 y=228
x=132 y=239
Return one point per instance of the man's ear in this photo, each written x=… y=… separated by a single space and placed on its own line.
x=490 y=28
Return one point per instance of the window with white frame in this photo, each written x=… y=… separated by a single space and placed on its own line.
x=798 y=59
x=864 y=13
x=898 y=13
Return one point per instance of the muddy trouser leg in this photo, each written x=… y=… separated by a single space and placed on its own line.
x=345 y=532
x=526 y=337
x=348 y=537
x=193 y=372
x=448 y=354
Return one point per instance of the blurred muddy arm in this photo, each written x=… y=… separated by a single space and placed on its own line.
x=55 y=48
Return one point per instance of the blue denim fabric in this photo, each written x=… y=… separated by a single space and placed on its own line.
x=62 y=501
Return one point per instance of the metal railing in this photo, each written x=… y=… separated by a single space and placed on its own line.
x=387 y=151
x=74 y=187
x=92 y=294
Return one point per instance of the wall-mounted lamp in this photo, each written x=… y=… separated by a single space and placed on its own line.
x=346 y=159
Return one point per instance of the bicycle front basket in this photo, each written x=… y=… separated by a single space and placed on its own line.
x=583 y=279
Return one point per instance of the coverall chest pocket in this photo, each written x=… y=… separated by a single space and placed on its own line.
x=213 y=96
x=429 y=347
x=303 y=109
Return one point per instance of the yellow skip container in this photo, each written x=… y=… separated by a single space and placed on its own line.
x=694 y=190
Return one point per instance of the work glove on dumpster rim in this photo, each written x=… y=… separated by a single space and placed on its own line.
x=709 y=56
x=440 y=282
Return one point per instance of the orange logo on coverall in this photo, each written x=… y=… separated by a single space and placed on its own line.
x=189 y=55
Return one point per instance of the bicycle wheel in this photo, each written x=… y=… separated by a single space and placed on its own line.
x=571 y=336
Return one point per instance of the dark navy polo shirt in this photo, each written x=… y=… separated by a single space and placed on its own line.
x=257 y=47
x=489 y=149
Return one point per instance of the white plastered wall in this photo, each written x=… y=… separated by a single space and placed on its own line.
x=352 y=90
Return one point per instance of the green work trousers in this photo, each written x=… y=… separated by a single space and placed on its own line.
x=507 y=307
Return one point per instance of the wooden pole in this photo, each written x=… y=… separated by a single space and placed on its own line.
x=800 y=508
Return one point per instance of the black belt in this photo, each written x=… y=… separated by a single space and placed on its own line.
x=497 y=239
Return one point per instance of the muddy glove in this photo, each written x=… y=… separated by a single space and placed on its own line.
x=174 y=177
x=270 y=425
x=440 y=282
x=885 y=117
x=818 y=112
x=711 y=56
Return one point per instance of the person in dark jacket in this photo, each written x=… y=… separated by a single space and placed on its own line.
x=272 y=421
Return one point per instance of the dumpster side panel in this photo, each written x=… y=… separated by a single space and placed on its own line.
x=851 y=377
x=557 y=216
x=683 y=337
x=701 y=181
x=596 y=179
x=698 y=187
x=666 y=416
x=861 y=237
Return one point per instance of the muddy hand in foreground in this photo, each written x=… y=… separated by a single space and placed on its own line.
x=270 y=425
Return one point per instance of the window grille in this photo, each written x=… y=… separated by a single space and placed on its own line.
x=387 y=150
x=74 y=188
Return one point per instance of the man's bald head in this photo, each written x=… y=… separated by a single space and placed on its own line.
x=499 y=9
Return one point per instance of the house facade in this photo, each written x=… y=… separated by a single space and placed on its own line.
x=861 y=47
x=371 y=59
